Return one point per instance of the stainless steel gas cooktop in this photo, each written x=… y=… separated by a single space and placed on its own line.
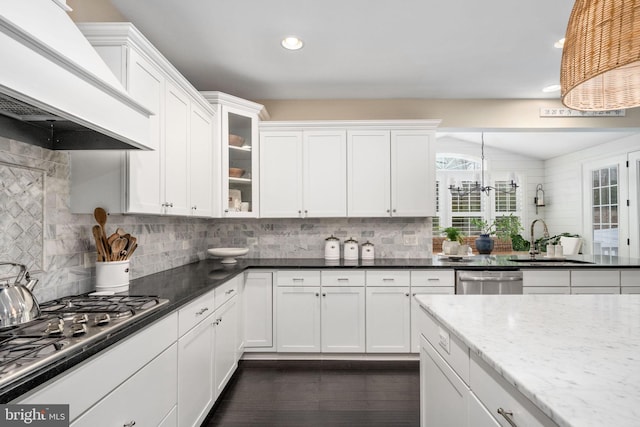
x=65 y=325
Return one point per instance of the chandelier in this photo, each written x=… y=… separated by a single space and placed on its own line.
x=478 y=186
x=600 y=67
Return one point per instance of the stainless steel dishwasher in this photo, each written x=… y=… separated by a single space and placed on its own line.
x=488 y=282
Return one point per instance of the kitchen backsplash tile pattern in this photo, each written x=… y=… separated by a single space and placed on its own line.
x=304 y=238
x=68 y=250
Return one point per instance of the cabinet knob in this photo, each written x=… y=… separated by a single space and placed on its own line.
x=194 y=207
x=407 y=294
x=226 y=210
x=388 y=211
x=394 y=211
x=317 y=294
x=324 y=295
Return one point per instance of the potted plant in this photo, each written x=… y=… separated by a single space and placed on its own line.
x=454 y=240
x=509 y=227
x=484 y=242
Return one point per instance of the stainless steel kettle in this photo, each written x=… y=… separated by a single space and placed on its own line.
x=17 y=303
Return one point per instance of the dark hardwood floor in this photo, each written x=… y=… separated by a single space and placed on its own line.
x=320 y=393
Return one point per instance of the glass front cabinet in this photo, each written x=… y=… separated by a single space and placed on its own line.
x=237 y=143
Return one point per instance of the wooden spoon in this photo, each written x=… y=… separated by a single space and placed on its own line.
x=101 y=218
x=97 y=235
x=118 y=246
x=130 y=251
x=111 y=238
x=133 y=242
x=120 y=232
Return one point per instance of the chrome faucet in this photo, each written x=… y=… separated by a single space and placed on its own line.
x=532 y=248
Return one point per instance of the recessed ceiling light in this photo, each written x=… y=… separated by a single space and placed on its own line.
x=292 y=43
x=551 y=88
x=559 y=44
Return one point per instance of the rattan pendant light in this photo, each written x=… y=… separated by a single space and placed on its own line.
x=600 y=68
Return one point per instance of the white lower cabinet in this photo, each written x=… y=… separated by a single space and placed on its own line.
x=479 y=416
x=195 y=361
x=224 y=344
x=444 y=396
x=343 y=315
x=155 y=389
x=388 y=322
x=298 y=319
x=258 y=311
x=415 y=309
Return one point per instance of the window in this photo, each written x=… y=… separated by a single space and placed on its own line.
x=604 y=207
x=458 y=212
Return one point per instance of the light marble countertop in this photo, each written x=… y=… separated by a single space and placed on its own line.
x=576 y=357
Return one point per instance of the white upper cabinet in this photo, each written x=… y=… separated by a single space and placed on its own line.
x=164 y=180
x=200 y=170
x=352 y=169
x=369 y=172
x=236 y=151
x=324 y=173
x=413 y=178
x=281 y=174
x=176 y=146
x=303 y=174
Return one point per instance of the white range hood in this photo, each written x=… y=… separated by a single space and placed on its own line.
x=55 y=90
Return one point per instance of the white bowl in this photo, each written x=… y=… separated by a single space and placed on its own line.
x=228 y=254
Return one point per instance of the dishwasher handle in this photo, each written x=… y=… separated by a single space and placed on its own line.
x=491 y=279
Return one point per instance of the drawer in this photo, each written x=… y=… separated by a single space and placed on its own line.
x=388 y=278
x=432 y=290
x=157 y=382
x=630 y=290
x=342 y=278
x=495 y=392
x=452 y=350
x=595 y=290
x=546 y=290
x=432 y=277
x=298 y=278
x=590 y=277
x=195 y=312
x=630 y=277
x=226 y=291
x=546 y=278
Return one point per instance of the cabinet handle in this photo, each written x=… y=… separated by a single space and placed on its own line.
x=202 y=311
x=433 y=279
x=414 y=294
x=230 y=291
x=507 y=416
x=388 y=279
x=129 y=424
x=297 y=279
x=343 y=279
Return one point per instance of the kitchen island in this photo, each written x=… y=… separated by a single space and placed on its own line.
x=576 y=358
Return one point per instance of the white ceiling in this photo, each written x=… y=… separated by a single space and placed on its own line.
x=431 y=49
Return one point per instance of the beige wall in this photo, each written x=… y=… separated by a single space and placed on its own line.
x=94 y=11
x=455 y=113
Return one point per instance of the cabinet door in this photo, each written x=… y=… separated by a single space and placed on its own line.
x=144 y=399
x=245 y=156
x=324 y=174
x=195 y=373
x=200 y=163
x=281 y=174
x=224 y=359
x=258 y=310
x=479 y=416
x=343 y=317
x=145 y=84
x=176 y=160
x=298 y=319
x=388 y=319
x=444 y=396
x=412 y=174
x=369 y=173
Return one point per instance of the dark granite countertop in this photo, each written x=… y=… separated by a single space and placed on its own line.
x=183 y=284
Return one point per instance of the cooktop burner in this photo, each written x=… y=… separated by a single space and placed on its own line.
x=65 y=324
